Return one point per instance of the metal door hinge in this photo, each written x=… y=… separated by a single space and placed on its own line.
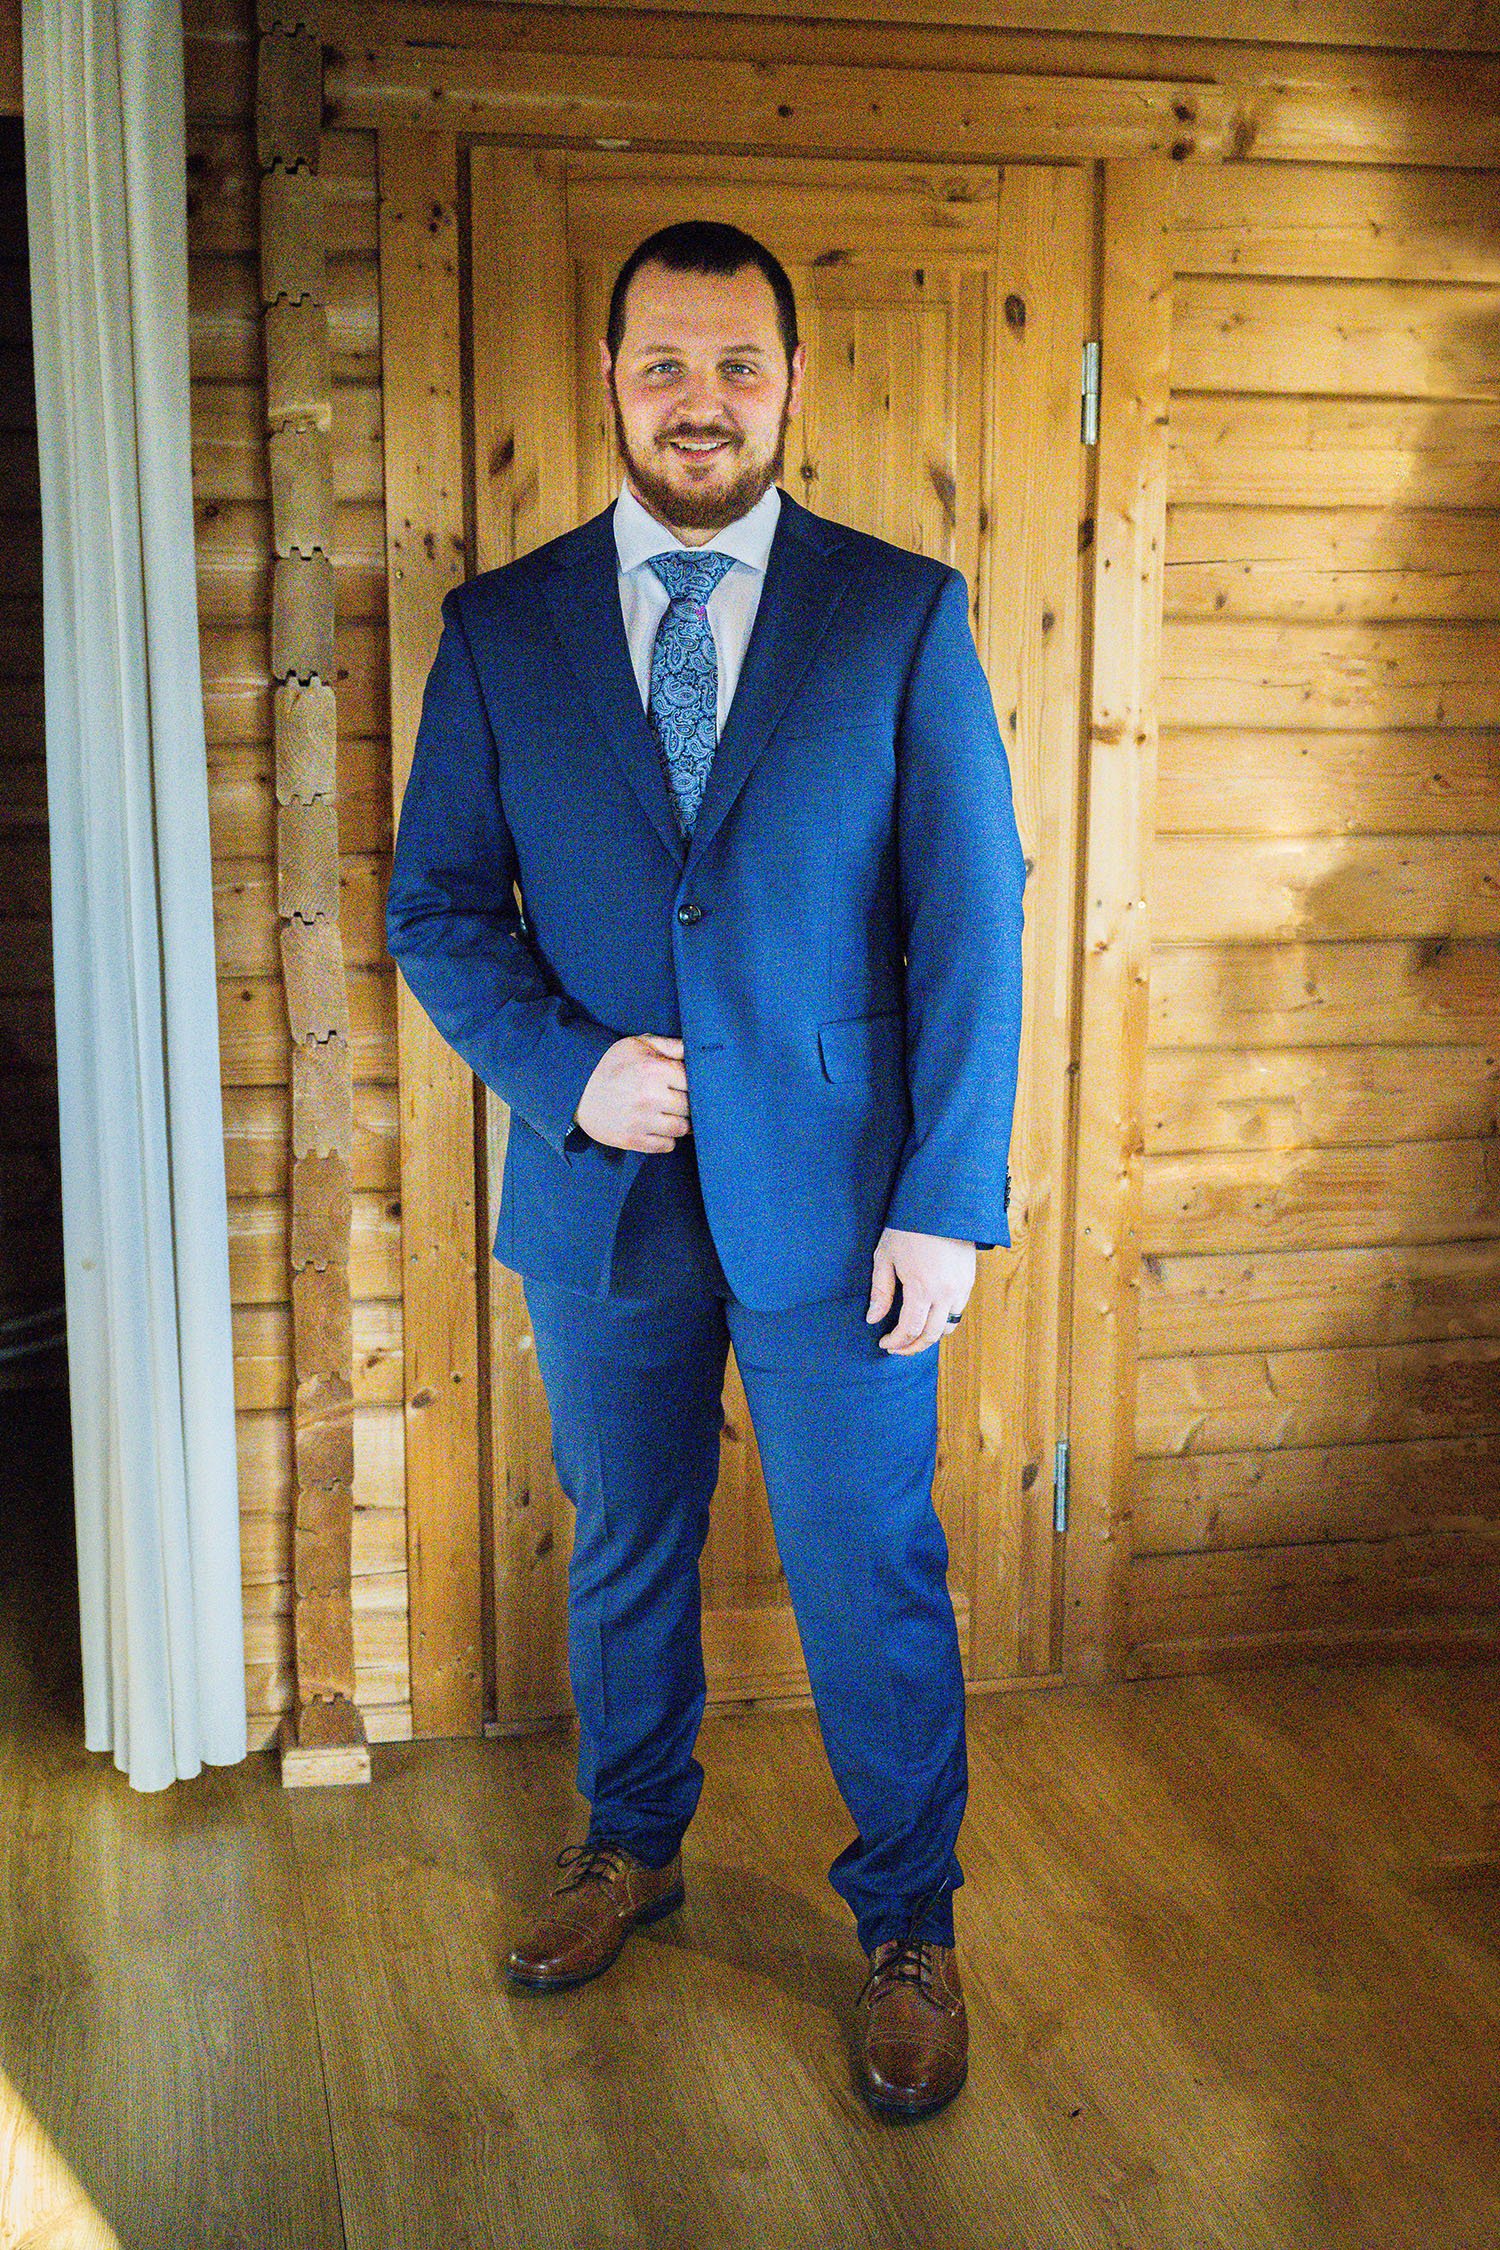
x=1089 y=430
x=1060 y=1486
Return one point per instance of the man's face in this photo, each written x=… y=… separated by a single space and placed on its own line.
x=701 y=394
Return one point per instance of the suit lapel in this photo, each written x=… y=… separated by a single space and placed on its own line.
x=582 y=593
x=806 y=577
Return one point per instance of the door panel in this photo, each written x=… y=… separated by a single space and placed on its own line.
x=943 y=311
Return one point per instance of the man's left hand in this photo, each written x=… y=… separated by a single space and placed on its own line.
x=936 y=1276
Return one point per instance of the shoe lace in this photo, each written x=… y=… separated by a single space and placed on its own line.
x=912 y=1960
x=588 y=1862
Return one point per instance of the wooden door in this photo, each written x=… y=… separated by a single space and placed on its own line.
x=944 y=310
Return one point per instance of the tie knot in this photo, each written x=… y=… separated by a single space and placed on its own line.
x=688 y=577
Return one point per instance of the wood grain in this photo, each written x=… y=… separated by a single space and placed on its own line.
x=254 y=1047
x=223 y=181
x=527 y=409
x=293 y=264
x=173 y=1927
x=1395 y=1394
x=242 y=798
x=1197 y=1501
x=1029 y=603
x=1278 y=1299
x=1378 y=338
x=1128 y=558
x=312 y=967
x=262 y=1354
x=1337 y=1198
x=247 y=922
x=237 y=706
x=1254 y=890
x=1325 y=993
x=1424 y=1580
x=425 y=557
x=1356 y=452
x=1369 y=222
x=1330 y=568
x=1269 y=674
x=379 y=1545
x=293 y=272
x=1290 y=1099
x=343 y=340
x=289 y=97
x=1323 y=782
x=1332 y=23
x=234 y=545
x=259 y=1125
x=1257 y=1880
x=229 y=445
x=265 y=1458
x=792 y=108
x=1009 y=95
x=1338 y=565
x=258 y=1226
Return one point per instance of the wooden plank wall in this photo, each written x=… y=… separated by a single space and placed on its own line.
x=234 y=595
x=1319 y=1395
x=31 y=1266
x=1315 y=1461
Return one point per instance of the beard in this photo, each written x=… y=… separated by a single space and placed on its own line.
x=706 y=510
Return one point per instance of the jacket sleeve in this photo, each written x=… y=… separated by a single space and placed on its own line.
x=452 y=921
x=962 y=876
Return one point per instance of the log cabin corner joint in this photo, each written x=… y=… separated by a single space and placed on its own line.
x=323 y=1738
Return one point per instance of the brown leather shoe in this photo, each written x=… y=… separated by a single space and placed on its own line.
x=914 y=2048
x=605 y=1893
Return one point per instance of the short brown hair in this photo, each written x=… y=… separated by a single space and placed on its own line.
x=703 y=246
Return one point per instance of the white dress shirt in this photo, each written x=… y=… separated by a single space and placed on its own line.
x=732 y=604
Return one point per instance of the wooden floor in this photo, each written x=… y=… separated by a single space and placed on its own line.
x=1232 y=1949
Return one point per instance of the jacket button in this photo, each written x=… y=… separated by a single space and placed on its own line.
x=689 y=913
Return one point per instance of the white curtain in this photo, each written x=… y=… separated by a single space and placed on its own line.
x=144 y=1215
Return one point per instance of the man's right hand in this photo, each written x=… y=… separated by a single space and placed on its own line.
x=637 y=1096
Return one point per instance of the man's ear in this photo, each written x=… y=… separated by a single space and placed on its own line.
x=606 y=369
x=794 y=387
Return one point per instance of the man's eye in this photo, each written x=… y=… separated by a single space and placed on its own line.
x=662 y=367
x=739 y=367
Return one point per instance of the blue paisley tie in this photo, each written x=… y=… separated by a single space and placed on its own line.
x=685 y=678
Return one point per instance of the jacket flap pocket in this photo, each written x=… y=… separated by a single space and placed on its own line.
x=851 y=1047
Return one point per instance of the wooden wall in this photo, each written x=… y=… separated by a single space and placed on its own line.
x=234 y=595
x=1316 y=1426
x=31 y=1265
x=1318 y=1419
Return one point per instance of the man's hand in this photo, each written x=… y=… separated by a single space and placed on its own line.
x=936 y=1275
x=637 y=1096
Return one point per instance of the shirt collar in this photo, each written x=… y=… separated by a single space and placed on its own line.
x=638 y=535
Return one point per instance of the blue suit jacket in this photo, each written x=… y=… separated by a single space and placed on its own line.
x=837 y=944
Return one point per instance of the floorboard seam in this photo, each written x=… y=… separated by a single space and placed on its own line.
x=317 y=2011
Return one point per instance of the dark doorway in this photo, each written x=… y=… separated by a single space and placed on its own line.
x=39 y=1662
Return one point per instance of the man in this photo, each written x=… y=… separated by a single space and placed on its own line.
x=756 y=1016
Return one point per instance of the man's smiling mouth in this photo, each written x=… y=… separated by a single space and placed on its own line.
x=699 y=448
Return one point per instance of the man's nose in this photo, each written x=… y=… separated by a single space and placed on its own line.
x=701 y=397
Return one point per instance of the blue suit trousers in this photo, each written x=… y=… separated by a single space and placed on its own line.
x=848 y=1443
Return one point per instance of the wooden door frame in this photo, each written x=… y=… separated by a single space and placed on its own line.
x=1027 y=600
x=441 y=1268
x=1136 y=283
x=430 y=530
